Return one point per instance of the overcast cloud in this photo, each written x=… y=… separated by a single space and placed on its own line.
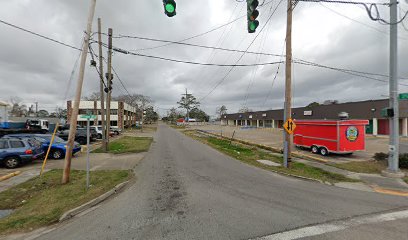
x=38 y=70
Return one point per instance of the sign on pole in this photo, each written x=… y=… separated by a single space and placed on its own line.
x=89 y=117
x=289 y=126
x=403 y=96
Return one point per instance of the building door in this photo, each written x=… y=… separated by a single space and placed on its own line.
x=383 y=127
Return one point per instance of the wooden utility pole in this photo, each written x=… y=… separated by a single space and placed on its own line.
x=104 y=144
x=287 y=143
x=74 y=114
x=108 y=80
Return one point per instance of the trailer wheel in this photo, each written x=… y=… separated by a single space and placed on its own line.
x=315 y=149
x=324 y=151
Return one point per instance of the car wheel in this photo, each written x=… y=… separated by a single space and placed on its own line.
x=324 y=151
x=99 y=136
x=82 y=140
x=57 y=154
x=12 y=162
x=116 y=133
x=315 y=149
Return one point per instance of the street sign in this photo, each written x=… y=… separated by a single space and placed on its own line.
x=289 y=126
x=90 y=117
x=403 y=96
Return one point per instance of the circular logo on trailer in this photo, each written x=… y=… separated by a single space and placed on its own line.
x=352 y=134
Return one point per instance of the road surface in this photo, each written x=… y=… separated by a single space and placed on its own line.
x=187 y=190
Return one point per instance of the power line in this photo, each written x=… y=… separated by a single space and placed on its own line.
x=201 y=34
x=232 y=68
x=116 y=49
x=39 y=35
x=364 y=24
x=369 y=7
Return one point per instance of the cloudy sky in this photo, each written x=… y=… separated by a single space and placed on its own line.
x=340 y=36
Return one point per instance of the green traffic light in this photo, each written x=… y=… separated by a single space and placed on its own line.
x=253 y=25
x=170 y=8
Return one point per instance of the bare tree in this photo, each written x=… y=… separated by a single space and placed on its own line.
x=17 y=108
x=95 y=96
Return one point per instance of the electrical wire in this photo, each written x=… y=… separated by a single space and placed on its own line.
x=239 y=59
x=200 y=34
x=120 y=50
x=39 y=35
x=356 y=21
x=369 y=7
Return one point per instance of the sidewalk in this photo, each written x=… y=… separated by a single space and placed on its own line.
x=370 y=182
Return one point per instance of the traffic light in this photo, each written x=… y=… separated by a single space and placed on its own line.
x=109 y=88
x=252 y=15
x=169 y=7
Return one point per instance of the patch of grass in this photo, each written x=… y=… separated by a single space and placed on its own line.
x=178 y=127
x=128 y=145
x=42 y=201
x=405 y=179
x=250 y=155
x=362 y=167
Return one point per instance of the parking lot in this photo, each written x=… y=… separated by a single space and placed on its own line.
x=273 y=137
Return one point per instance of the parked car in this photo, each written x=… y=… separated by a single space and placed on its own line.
x=98 y=130
x=58 y=147
x=116 y=130
x=80 y=135
x=14 y=151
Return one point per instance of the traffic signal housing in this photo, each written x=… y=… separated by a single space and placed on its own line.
x=252 y=14
x=169 y=7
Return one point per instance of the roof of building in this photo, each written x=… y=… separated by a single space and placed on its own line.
x=357 y=110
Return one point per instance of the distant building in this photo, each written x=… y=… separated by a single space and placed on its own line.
x=368 y=110
x=3 y=115
x=122 y=114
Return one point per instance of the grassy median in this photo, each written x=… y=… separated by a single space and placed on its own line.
x=41 y=201
x=128 y=145
x=250 y=155
x=362 y=166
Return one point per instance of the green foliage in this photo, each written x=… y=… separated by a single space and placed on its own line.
x=199 y=114
x=313 y=104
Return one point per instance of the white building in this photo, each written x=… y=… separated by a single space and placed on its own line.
x=122 y=114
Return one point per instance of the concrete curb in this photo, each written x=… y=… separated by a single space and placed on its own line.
x=10 y=175
x=71 y=213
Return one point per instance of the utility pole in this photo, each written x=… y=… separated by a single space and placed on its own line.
x=287 y=140
x=74 y=115
x=393 y=156
x=108 y=80
x=104 y=143
x=36 y=109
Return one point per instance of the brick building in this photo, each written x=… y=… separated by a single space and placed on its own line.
x=122 y=114
x=369 y=110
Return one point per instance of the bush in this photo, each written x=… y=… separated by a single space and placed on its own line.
x=380 y=156
x=403 y=158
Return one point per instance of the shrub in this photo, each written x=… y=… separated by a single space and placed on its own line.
x=403 y=160
x=380 y=156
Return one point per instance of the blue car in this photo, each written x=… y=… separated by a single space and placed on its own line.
x=58 y=147
x=14 y=151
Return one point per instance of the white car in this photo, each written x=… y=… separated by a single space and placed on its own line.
x=98 y=130
x=116 y=130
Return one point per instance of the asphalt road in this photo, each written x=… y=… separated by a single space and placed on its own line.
x=187 y=190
